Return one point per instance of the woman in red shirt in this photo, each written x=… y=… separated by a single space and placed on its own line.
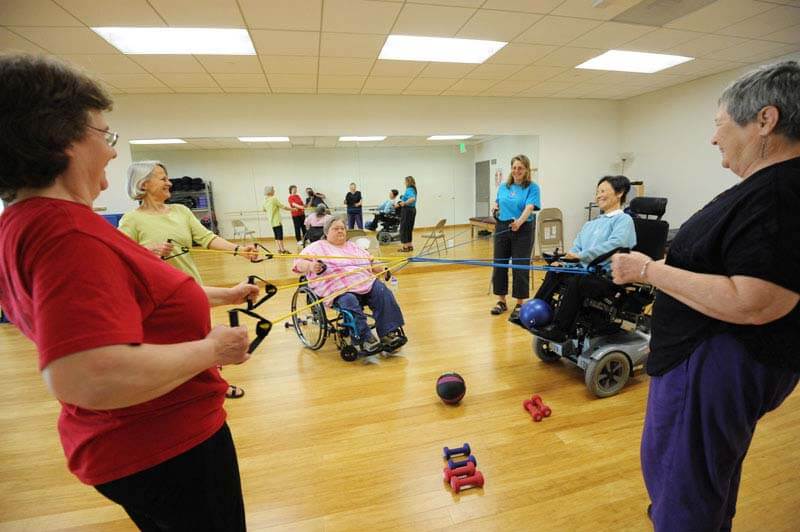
x=298 y=215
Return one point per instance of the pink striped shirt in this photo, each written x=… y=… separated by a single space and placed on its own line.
x=359 y=282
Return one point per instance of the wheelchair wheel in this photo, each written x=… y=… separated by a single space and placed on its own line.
x=607 y=376
x=349 y=353
x=542 y=349
x=384 y=237
x=311 y=324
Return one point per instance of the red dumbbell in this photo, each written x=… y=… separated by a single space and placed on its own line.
x=543 y=408
x=528 y=405
x=466 y=470
x=475 y=480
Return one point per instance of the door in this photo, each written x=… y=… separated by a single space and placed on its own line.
x=482 y=183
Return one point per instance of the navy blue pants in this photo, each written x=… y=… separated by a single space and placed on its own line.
x=385 y=309
x=700 y=420
x=355 y=219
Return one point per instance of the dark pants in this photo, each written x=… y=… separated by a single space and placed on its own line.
x=385 y=310
x=700 y=420
x=355 y=219
x=407 y=216
x=197 y=490
x=299 y=227
x=575 y=289
x=278 y=232
x=517 y=246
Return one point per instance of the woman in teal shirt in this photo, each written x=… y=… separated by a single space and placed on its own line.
x=515 y=202
x=408 y=213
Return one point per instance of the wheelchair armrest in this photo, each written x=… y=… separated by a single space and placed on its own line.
x=605 y=256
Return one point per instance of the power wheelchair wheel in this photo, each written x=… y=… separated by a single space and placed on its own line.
x=607 y=376
x=311 y=324
x=542 y=349
x=384 y=237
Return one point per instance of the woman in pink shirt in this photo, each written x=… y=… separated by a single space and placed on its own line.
x=361 y=286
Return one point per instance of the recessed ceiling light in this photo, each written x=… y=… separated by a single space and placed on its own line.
x=625 y=61
x=449 y=137
x=362 y=139
x=263 y=139
x=438 y=49
x=158 y=141
x=207 y=41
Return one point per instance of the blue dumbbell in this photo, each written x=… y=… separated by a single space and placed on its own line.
x=453 y=465
x=449 y=453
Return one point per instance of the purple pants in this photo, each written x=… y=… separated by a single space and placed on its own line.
x=700 y=420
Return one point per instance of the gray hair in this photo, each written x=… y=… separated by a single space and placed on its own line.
x=269 y=189
x=138 y=173
x=335 y=218
x=778 y=85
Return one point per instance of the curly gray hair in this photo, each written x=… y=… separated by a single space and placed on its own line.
x=335 y=218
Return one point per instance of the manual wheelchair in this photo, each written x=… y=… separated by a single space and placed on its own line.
x=611 y=335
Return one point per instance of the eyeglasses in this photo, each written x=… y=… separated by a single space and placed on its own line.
x=110 y=136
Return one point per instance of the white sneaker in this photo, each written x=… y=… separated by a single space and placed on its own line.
x=371 y=359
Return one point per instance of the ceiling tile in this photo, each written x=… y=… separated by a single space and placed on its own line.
x=434 y=21
x=189 y=79
x=168 y=63
x=568 y=56
x=575 y=76
x=128 y=13
x=105 y=63
x=611 y=34
x=700 y=67
x=233 y=81
x=285 y=64
x=520 y=54
x=446 y=70
x=292 y=90
x=246 y=90
x=367 y=90
x=705 y=45
x=623 y=79
x=718 y=15
x=387 y=83
x=132 y=81
x=339 y=90
x=488 y=71
x=526 y=6
x=11 y=41
x=66 y=40
x=36 y=13
x=359 y=16
x=273 y=42
x=451 y=3
x=344 y=66
x=584 y=9
x=197 y=90
x=472 y=84
x=297 y=81
x=751 y=51
x=449 y=92
x=230 y=64
x=765 y=23
x=351 y=45
x=546 y=88
x=282 y=14
x=659 y=40
x=788 y=36
x=200 y=13
x=397 y=68
x=538 y=73
x=421 y=92
x=150 y=90
x=509 y=87
x=430 y=84
x=341 y=82
x=557 y=30
x=497 y=25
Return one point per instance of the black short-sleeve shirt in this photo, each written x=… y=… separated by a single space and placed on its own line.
x=752 y=229
x=351 y=199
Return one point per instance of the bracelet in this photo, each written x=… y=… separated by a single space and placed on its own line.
x=644 y=270
x=235 y=250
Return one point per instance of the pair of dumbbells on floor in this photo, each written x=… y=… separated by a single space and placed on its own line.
x=536 y=408
x=462 y=473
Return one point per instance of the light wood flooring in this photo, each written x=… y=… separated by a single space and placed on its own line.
x=329 y=445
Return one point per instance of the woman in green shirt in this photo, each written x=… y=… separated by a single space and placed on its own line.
x=272 y=206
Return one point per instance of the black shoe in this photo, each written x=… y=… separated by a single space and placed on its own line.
x=514 y=317
x=370 y=346
x=499 y=308
x=393 y=341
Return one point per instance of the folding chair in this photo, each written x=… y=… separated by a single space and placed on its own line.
x=433 y=238
x=241 y=231
x=550 y=233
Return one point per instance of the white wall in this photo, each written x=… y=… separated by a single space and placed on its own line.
x=501 y=150
x=579 y=139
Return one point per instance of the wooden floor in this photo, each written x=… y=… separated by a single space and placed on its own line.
x=327 y=445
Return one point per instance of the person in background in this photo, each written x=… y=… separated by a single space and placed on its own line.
x=314 y=198
x=315 y=223
x=272 y=206
x=408 y=213
x=298 y=215
x=726 y=319
x=387 y=207
x=355 y=214
x=125 y=341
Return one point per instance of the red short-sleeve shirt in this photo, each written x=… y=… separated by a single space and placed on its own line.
x=70 y=282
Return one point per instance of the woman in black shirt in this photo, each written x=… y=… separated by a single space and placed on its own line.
x=726 y=320
x=355 y=215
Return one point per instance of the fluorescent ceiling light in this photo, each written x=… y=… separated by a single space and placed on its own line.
x=158 y=141
x=207 y=41
x=449 y=137
x=438 y=49
x=263 y=139
x=624 y=61
x=362 y=139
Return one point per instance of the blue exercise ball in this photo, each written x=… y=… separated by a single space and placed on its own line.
x=535 y=313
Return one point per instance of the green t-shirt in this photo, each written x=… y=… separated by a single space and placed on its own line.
x=272 y=206
x=179 y=224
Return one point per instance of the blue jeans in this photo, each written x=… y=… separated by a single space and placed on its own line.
x=386 y=311
x=700 y=420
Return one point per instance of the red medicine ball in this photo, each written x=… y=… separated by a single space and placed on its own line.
x=450 y=388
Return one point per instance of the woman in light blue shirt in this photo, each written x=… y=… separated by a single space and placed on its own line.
x=517 y=198
x=408 y=213
x=612 y=229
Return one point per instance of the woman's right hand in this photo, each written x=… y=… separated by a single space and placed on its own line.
x=164 y=249
x=230 y=344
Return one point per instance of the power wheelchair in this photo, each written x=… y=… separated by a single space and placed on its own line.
x=389 y=227
x=611 y=335
x=315 y=323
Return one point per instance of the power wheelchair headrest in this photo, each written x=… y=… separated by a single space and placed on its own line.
x=647 y=206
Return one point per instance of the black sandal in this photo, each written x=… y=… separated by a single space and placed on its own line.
x=514 y=317
x=234 y=392
x=499 y=308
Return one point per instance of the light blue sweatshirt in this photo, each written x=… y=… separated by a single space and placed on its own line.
x=601 y=235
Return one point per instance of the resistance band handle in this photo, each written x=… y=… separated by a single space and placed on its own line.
x=233 y=318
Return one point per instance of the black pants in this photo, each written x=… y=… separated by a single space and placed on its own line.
x=516 y=245
x=576 y=289
x=407 y=216
x=197 y=490
x=299 y=227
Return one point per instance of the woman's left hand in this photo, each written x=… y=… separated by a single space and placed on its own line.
x=627 y=267
x=515 y=225
x=242 y=292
